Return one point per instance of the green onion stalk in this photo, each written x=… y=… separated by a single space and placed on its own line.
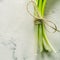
x=40 y=33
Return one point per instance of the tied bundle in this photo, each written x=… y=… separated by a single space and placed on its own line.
x=39 y=26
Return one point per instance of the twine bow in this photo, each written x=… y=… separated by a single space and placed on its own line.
x=38 y=18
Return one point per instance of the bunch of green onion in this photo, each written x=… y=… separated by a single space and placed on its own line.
x=40 y=33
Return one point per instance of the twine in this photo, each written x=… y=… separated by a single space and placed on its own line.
x=39 y=18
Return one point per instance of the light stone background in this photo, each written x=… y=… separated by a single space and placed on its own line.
x=17 y=33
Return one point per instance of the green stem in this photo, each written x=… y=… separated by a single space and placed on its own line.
x=40 y=37
x=36 y=34
x=40 y=6
x=47 y=44
x=43 y=7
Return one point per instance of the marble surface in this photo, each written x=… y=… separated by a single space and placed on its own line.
x=17 y=33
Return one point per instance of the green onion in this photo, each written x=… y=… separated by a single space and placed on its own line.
x=43 y=42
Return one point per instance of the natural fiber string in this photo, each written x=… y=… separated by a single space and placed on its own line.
x=39 y=18
x=35 y=8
